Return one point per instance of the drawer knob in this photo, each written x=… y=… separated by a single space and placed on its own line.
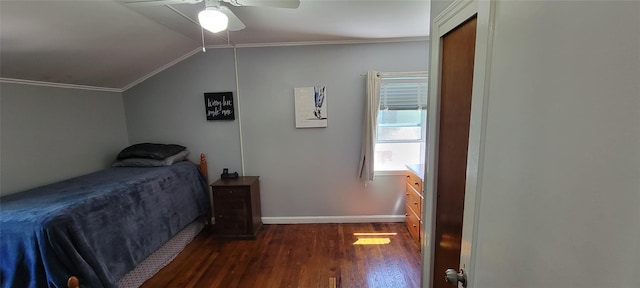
x=417 y=183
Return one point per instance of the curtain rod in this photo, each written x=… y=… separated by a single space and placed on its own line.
x=394 y=74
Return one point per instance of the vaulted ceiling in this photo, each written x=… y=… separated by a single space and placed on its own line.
x=106 y=43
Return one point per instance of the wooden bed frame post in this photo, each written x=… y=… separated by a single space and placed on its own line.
x=203 y=167
x=73 y=282
x=205 y=171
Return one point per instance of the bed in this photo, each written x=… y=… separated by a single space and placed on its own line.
x=97 y=227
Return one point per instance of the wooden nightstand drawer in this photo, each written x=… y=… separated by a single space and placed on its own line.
x=232 y=191
x=232 y=226
x=231 y=207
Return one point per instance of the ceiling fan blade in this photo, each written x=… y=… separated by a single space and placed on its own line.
x=140 y=3
x=266 y=3
x=234 y=22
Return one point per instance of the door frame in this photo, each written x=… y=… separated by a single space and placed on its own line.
x=453 y=16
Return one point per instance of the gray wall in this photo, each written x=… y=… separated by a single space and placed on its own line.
x=304 y=172
x=50 y=134
x=169 y=108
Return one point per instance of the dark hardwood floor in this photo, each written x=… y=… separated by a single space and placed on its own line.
x=302 y=255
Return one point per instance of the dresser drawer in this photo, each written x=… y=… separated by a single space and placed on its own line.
x=414 y=181
x=413 y=225
x=413 y=200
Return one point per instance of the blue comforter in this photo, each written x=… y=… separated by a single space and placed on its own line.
x=98 y=226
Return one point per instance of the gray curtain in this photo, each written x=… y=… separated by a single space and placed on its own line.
x=370 y=126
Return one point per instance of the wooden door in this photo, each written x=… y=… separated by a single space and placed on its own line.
x=458 y=50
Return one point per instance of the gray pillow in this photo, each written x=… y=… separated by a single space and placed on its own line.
x=146 y=162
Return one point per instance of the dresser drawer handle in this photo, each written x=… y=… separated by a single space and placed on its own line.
x=416 y=183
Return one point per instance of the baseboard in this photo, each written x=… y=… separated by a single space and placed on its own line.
x=333 y=219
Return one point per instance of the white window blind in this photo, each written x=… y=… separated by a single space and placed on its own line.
x=403 y=93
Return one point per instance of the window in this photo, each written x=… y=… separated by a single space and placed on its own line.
x=401 y=130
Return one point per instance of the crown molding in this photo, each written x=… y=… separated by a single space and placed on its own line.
x=162 y=68
x=332 y=42
x=58 y=85
x=310 y=43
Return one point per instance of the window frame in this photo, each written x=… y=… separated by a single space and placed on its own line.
x=422 y=125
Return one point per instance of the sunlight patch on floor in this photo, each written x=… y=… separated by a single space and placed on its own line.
x=373 y=238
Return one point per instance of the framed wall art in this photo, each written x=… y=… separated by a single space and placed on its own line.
x=311 y=107
x=219 y=105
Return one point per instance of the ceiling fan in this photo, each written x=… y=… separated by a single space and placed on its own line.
x=217 y=17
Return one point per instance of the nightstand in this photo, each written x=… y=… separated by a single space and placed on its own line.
x=236 y=207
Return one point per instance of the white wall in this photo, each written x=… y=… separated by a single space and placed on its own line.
x=304 y=172
x=50 y=134
x=560 y=194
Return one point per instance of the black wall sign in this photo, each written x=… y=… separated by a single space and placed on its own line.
x=219 y=106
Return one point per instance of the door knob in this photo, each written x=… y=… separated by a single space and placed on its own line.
x=454 y=277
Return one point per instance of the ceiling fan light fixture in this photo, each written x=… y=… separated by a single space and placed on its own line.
x=213 y=20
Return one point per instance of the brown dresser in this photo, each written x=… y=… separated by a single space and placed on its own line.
x=236 y=207
x=413 y=200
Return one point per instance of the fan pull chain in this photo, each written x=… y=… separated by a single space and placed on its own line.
x=202 y=33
